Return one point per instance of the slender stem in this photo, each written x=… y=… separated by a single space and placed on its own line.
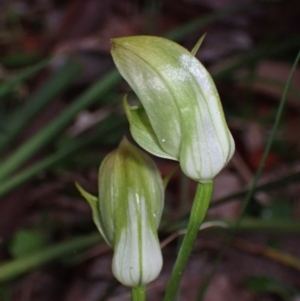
x=198 y=212
x=138 y=293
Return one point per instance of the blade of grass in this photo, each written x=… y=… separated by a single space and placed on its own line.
x=49 y=132
x=218 y=227
x=283 y=181
x=107 y=126
x=60 y=81
x=266 y=225
x=15 y=268
x=24 y=75
x=279 y=256
x=19 y=60
x=248 y=224
x=255 y=181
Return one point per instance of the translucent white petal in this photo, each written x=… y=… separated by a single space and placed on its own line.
x=137 y=256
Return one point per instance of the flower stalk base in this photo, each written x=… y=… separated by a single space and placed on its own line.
x=198 y=212
x=138 y=293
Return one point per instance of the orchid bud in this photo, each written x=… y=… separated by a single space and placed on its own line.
x=181 y=116
x=128 y=213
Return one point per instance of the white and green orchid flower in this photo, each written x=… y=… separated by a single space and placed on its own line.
x=128 y=212
x=181 y=116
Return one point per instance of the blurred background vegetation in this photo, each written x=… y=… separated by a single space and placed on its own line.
x=61 y=113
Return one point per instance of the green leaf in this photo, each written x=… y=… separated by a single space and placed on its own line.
x=57 y=125
x=59 y=82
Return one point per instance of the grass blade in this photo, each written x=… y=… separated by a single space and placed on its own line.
x=11 y=84
x=15 y=268
x=283 y=181
x=51 y=89
x=53 y=129
x=107 y=126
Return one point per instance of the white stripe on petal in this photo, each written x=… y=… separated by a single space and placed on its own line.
x=137 y=256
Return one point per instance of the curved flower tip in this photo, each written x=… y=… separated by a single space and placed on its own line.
x=181 y=112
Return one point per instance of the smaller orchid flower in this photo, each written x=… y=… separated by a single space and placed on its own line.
x=128 y=212
x=181 y=116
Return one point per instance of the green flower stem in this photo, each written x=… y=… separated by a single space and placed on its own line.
x=138 y=293
x=198 y=212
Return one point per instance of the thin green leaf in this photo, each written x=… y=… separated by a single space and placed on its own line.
x=50 y=131
x=107 y=127
x=15 y=268
x=25 y=74
x=19 y=60
x=281 y=182
x=51 y=89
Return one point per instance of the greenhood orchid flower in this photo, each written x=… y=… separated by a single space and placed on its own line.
x=128 y=212
x=181 y=116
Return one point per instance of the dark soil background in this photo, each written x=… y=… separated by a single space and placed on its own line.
x=249 y=48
